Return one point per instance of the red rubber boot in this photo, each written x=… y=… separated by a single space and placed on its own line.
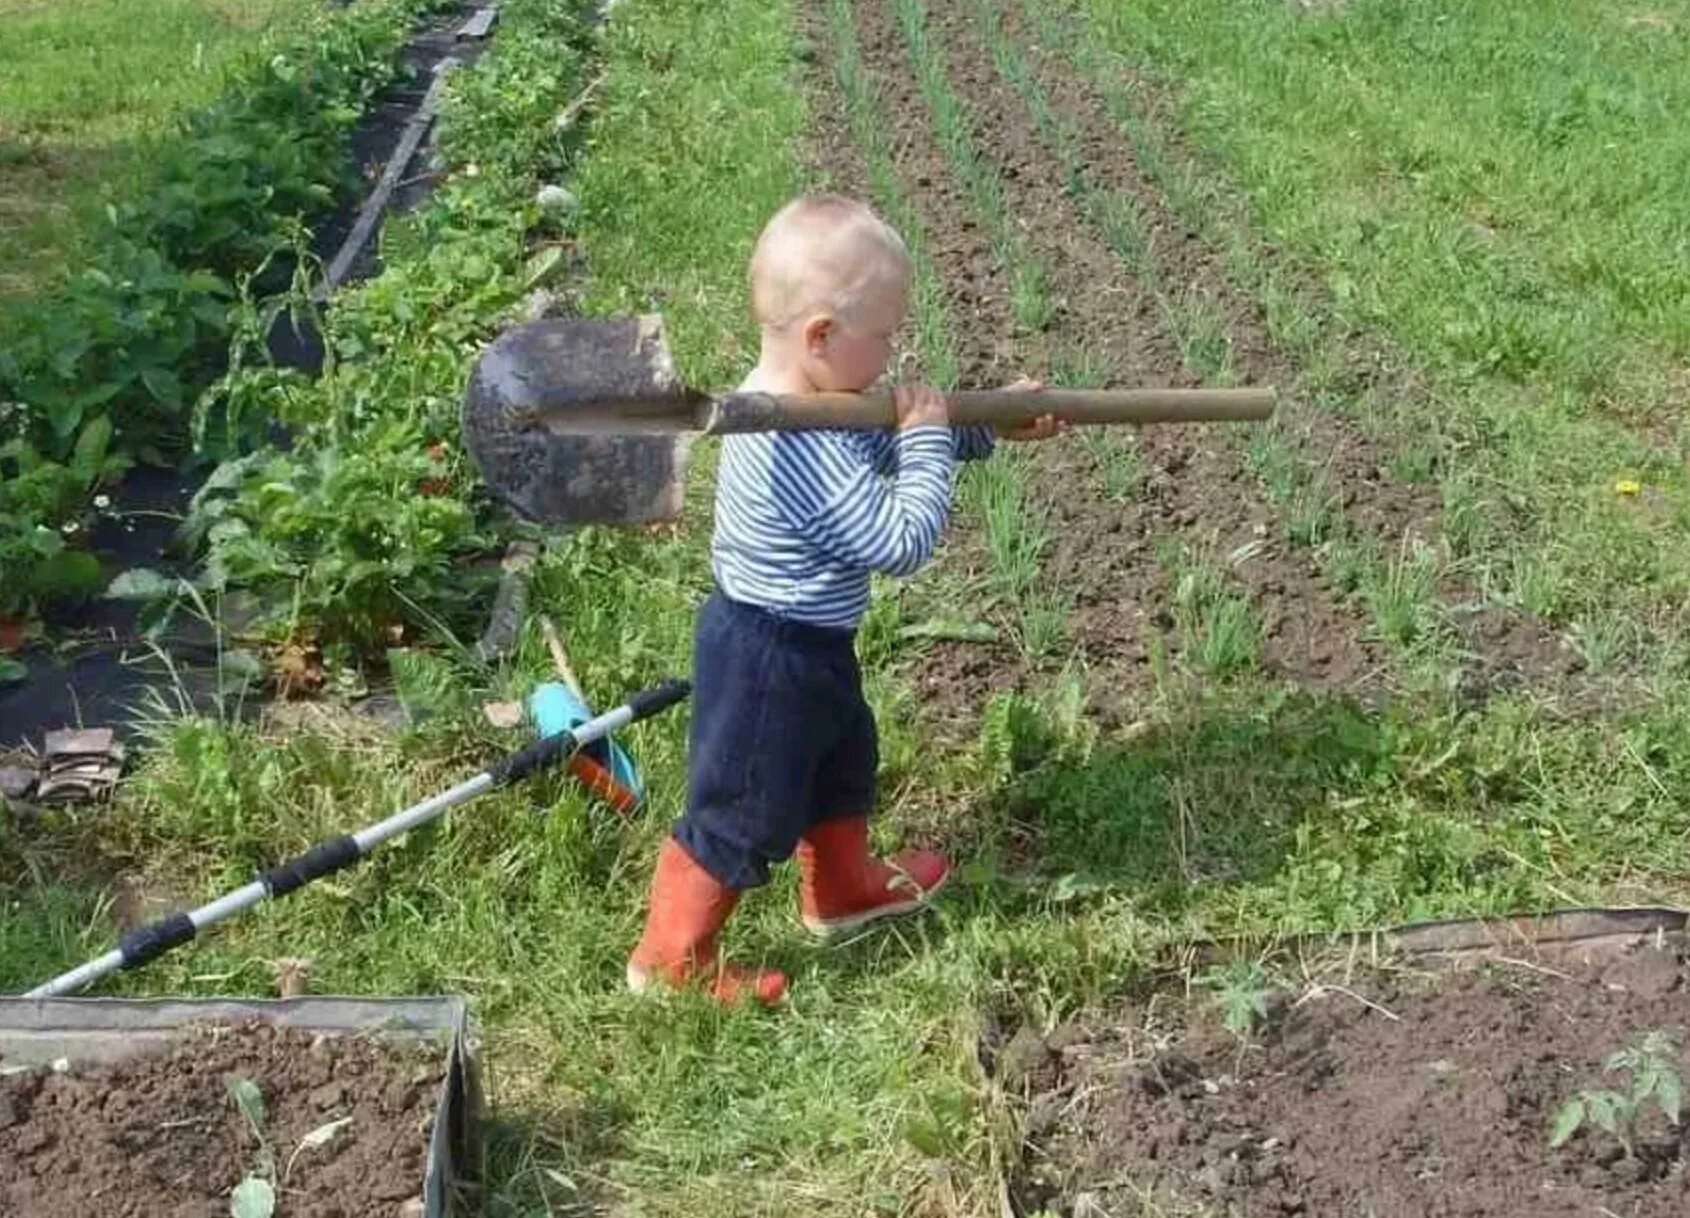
x=688 y=909
x=842 y=886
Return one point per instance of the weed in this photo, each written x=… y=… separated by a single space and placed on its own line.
x=1604 y=641
x=1419 y=464
x=1218 y=627
x=1400 y=594
x=1241 y=991
x=1654 y=1082
x=1020 y=732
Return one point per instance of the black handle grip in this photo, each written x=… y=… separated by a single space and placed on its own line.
x=154 y=939
x=552 y=749
x=320 y=860
x=547 y=751
x=659 y=698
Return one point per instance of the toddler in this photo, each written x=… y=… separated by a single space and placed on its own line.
x=782 y=753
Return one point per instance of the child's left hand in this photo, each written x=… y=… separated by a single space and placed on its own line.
x=1041 y=428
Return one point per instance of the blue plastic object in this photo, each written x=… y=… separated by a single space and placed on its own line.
x=555 y=708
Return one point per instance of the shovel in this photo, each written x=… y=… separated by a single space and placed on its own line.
x=583 y=420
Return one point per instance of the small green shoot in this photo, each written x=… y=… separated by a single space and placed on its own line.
x=1654 y=1079
x=1029 y=297
x=255 y=1195
x=1201 y=334
x=1079 y=367
x=1402 y=596
x=1120 y=468
x=1241 y=992
x=1044 y=623
x=1217 y=623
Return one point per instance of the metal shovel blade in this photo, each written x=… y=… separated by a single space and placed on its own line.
x=551 y=475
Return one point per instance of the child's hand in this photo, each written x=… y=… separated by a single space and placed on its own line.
x=920 y=406
x=1041 y=428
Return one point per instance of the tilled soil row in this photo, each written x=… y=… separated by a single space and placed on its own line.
x=1507 y=648
x=1196 y=491
x=1310 y=634
x=954 y=679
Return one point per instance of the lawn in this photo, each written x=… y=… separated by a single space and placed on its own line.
x=82 y=83
x=1414 y=650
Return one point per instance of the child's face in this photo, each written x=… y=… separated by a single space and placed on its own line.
x=847 y=354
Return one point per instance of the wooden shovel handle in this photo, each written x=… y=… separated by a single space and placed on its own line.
x=745 y=412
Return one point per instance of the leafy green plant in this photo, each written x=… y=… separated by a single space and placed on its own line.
x=255 y=1195
x=1021 y=731
x=360 y=530
x=112 y=362
x=339 y=538
x=1654 y=1082
x=1241 y=992
x=41 y=504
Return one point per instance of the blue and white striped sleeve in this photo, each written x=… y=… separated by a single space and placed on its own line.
x=825 y=484
x=974 y=443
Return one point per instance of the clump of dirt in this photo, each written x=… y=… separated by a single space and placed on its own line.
x=1431 y=1095
x=158 y=1136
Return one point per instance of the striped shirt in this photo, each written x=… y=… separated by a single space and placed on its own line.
x=803 y=518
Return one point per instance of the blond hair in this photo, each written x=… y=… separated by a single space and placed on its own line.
x=824 y=254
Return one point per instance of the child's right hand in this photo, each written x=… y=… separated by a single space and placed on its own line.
x=920 y=406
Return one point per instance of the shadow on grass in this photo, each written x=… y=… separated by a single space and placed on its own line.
x=1215 y=796
x=535 y=1162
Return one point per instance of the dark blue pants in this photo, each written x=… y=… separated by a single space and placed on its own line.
x=781 y=739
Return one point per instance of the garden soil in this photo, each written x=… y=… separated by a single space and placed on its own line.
x=1198 y=492
x=1402 y=1094
x=158 y=1136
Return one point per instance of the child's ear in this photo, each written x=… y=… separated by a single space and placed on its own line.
x=818 y=333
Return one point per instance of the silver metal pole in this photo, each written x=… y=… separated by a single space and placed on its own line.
x=177 y=929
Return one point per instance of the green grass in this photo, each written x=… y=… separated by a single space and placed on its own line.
x=1119 y=465
x=82 y=84
x=1219 y=631
x=1516 y=245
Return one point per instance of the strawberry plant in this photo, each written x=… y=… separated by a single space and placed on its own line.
x=40 y=506
x=359 y=529
x=112 y=363
x=339 y=536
